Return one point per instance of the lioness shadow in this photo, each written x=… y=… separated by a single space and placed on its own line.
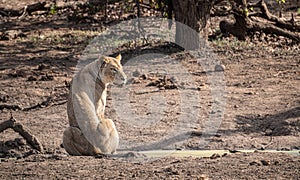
x=280 y=124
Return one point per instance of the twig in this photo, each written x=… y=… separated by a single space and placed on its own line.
x=146 y=92
x=39 y=105
x=46 y=103
x=24 y=13
x=59 y=103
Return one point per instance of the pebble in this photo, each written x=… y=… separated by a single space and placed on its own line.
x=257 y=163
x=214 y=156
x=31 y=78
x=219 y=68
x=144 y=76
x=202 y=177
x=265 y=162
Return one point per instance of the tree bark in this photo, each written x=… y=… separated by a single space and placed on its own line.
x=192 y=16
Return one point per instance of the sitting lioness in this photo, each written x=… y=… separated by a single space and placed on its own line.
x=89 y=132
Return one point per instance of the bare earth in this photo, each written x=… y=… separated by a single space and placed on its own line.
x=262 y=109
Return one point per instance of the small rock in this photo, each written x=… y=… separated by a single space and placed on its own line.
x=170 y=86
x=219 y=68
x=268 y=132
x=249 y=93
x=21 y=73
x=3 y=97
x=173 y=80
x=144 y=76
x=4 y=36
x=215 y=156
x=285 y=149
x=256 y=163
x=20 y=141
x=233 y=151
x=202 y=177
x=152 y=83
x=236 y=106
x=265 y=162
x=225 y=154
x=42 y=67
x=31 y=78
x=47 y=78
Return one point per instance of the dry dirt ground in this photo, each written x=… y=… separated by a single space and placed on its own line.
x=262 y=111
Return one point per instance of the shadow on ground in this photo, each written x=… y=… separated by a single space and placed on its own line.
x=280 y=124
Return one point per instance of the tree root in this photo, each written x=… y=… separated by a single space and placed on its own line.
x=245 y=25
x=23 y=131
x=265 y=13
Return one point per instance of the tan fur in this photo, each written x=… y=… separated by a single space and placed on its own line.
x=90 y=133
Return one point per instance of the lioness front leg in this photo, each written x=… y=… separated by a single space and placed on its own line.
x=76 y=144
x=109 y=136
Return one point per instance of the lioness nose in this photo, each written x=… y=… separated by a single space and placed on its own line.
x=124 y=78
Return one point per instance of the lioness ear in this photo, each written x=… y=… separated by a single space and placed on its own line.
x=106 y=59
x=119 y=57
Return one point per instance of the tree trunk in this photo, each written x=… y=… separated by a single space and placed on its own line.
x=194 y=14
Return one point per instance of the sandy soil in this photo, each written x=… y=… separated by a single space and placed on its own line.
x=262 y=109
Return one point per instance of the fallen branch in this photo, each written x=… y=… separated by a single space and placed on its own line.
x=271 y=29
x=244 y=25
x=40 y=6
x=10 y=107
x=23 y=131
x=39 y=105
x=265 y=13
x=29 y=9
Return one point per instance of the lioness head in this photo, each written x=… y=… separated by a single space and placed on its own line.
x=111 y=70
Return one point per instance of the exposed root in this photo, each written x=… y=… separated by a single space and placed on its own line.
x=246 y=24
x=265 y=13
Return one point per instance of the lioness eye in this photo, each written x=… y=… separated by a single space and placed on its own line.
x=114 y=70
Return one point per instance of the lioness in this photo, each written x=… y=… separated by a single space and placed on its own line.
x=89 y=132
